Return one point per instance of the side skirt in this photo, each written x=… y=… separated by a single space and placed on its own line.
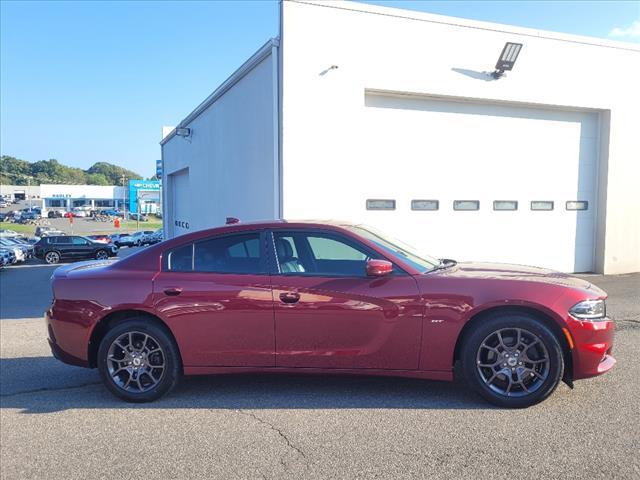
x=446 y=376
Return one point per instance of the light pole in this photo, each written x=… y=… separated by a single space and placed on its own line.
x=124 y=201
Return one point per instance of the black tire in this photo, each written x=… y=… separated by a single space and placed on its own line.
x=52 y=257
x=543 y=376
x=102 y=255
x=167 y=379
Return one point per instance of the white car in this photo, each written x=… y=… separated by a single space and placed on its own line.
x=80 y=212
x=20 y=253
x=4 y=204
x=8 y=233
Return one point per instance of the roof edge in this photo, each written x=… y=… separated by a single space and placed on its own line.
x=253 y=61
x=356 y=6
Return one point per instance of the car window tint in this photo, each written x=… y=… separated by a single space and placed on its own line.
x=180 y=259
x=330 y=249
x=320 y=254
x=229 y=254
x=63 y=241
x=79 y=241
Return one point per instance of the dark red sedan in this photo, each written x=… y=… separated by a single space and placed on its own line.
x=325 y=298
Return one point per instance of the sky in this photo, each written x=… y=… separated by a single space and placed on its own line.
x=94 y=81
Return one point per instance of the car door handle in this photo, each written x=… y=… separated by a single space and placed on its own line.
x=172 y=291
x=290 y=297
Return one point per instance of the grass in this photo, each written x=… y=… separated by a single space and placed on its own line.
x=16 y=227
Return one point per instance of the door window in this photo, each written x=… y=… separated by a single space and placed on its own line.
x=322 y=254
x=180 y=259
x=79 y=241
x=229 y=254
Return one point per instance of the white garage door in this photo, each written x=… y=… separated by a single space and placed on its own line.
x=523 y=168
x=179 y=217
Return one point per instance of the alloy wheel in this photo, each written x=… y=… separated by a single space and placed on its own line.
x=52 y=257
x=101 y=255
x=136 y=362
x=513 y=362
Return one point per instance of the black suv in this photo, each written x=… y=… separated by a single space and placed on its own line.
x=70 y=247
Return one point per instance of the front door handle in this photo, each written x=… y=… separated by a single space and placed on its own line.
x=172 y=291
x=290 y=297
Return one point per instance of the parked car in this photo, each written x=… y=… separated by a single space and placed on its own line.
x=4 y=204
x=42 y=230
x=113 y=212
x=326 y=298
x=72 y=247
x=156 y=237
x=55 y=213
x=5 y=232
x=135 y=239
x=29 y=215
x=8 y=257
x=141 y=217
x=100 y=238
x=26 y=247
x=14 y=215
x=80 y=212
x=19 y=252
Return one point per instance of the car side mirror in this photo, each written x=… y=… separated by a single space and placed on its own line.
x=378 y=268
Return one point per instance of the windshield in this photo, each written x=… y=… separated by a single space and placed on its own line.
x=395 y=247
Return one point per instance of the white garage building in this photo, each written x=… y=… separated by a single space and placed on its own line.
x=391 y=118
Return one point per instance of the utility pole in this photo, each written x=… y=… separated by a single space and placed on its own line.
x=124 y=201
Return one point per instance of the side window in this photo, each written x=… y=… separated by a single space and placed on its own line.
x=180 y=259
x=229 y=254
x=329 y=249
x=78 y=241
x=63 y=241
x=320 y=254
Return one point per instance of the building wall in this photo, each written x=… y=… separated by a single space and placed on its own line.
x=327 y=145
x=228 y=165
x=8 y=190
x=66 y=196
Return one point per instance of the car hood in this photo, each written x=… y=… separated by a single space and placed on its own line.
x=505 y=271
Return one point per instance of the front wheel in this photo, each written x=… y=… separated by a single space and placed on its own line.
x=52 y=257
x=102 y=255
x=512 y=360
x=138 y=361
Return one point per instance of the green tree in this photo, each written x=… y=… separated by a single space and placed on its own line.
x=15 y=171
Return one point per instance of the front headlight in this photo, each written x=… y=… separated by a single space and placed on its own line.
x=592 y=310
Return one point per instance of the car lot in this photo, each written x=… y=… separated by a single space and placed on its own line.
x=59 y=421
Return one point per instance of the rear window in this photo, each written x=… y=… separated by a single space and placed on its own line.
x=181 y=259
x=239 y=253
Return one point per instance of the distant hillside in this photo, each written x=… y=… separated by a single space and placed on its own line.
x=14 y=171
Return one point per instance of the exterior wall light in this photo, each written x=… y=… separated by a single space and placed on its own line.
x=507 y=59
x=183 y=132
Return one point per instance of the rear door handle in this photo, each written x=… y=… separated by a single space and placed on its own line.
x=290 y=297
x=173 y=291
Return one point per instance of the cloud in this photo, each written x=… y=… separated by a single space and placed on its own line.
x=632 y=31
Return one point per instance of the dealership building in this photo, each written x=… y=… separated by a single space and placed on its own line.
x=143 y=194
x=404 y=121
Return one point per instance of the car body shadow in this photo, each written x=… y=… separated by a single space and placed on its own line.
x=45 y=385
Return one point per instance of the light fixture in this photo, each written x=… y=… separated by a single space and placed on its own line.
x=507 y=59
x=183 y=132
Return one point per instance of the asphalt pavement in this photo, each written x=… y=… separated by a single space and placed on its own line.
x=58 y=421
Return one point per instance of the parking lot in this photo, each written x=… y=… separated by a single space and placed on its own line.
x=58 y=421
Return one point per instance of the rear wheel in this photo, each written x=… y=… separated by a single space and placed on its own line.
x=102 y=255
x=52 y=257
x=512 y=360
x=138 y=361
